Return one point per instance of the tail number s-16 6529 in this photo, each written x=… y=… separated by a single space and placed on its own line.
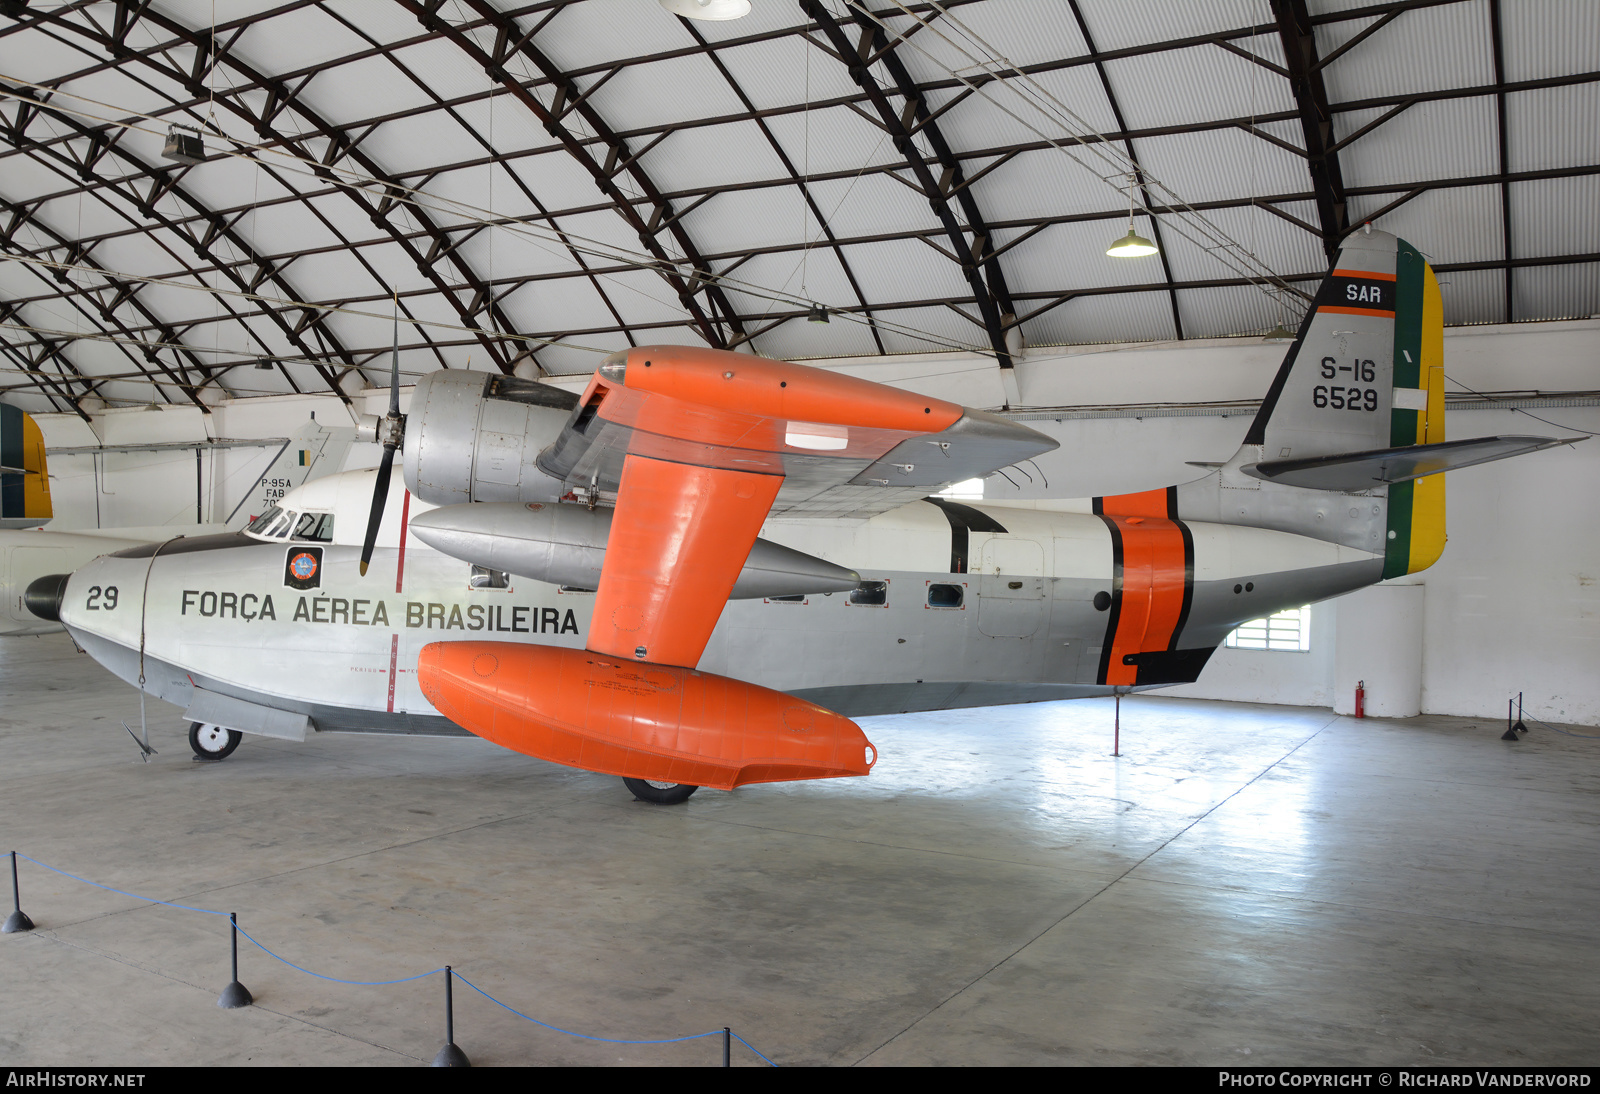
x=1345 y=398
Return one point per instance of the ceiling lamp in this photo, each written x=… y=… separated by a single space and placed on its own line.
x=817 y=314
x=184 y=145
x=1279 y=333
x=1132 y=245
x=708 y=9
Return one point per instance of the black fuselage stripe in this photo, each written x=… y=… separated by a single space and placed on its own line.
x=1188 y=581
x=964 y=520
x=1115 y=611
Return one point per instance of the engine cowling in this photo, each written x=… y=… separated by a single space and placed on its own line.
x=477 y=437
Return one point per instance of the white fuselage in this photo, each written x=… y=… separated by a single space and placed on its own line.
x=1022 y=624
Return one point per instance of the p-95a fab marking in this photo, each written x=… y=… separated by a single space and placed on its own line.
x=102 y=599
x=1345 y=398
x=1365 y=371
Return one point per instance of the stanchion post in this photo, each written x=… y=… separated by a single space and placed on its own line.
x=1511 y=731
x=450 y=1055
x=235 y=994
x=1116 y=732
x=727 y=1047
x=18 y=919
x=1519 y=727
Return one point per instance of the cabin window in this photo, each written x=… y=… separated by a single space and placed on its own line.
x=1287 y=630
x=870 y=594
x=482 y=577
x=944 y=596
x=317 y=527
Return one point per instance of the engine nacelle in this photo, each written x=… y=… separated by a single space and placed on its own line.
x=472 y=436
x=566 y=545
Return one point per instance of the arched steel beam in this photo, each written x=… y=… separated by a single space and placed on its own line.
x=1497 y=40
x=1116 y=112
x=803 y=184
x=855 y=55
x=1298 y=34
x=211 y=52
x=492 y=160
x=77 y=256
x=512 y=41
x=203 y=244
x=953 y=182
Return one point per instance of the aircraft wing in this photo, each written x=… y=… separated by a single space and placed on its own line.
x=844 y=447
x=699 y=446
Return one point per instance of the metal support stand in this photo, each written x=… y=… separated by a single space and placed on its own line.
x=235 y=994
x=727 y=1047
x=450 y=1055
x=1513 y=729
x=18 y=919
x=1116 y=732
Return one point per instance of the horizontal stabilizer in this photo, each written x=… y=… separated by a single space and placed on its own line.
x=1364 y=470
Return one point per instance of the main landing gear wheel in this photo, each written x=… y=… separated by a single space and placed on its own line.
x=212 y=743
x=658 y=793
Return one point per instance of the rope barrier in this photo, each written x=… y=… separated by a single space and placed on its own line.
x=607 y=1040
x=385 y=983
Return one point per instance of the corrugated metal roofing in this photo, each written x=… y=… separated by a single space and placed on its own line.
x=678 y=146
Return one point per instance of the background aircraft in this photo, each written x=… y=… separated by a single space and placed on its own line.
x=26 y=555
x=619 y=612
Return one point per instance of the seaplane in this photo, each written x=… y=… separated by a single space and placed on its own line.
x=700 y=569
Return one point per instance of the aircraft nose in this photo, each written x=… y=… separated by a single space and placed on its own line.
x=43 y=596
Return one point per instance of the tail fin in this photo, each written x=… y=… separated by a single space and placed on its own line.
x=1349 y=443
x=310 y=453
x=1366 y=374
x=24 y=476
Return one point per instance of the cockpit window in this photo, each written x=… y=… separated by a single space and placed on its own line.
x=259 y=525
x=273 y=524
x=317 y=527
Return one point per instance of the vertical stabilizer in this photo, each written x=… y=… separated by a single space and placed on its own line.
x=1416 y=416
x=310 y=453
x=1365 y=373
x=24 y=476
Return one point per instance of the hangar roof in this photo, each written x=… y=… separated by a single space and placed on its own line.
x=541 y=183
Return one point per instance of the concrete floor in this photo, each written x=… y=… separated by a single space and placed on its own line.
x=1246 y=885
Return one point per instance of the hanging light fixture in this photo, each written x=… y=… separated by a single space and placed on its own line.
x=184 y=145
x=1132 y=245
x=817 y=314
x=1279 y=333
x=711 y=10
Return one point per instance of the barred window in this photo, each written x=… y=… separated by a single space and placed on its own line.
x=1287 y=630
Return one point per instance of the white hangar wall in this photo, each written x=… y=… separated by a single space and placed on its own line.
x=1513 y=605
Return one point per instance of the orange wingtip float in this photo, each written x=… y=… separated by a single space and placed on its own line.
x=636 y=719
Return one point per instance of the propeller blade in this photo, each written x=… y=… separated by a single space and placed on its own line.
x=380 y=495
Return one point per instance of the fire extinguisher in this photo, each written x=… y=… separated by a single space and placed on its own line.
x=1361 y=698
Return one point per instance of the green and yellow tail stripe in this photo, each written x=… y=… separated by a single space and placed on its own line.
x=1416 y=509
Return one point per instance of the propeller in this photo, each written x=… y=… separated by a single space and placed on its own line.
x=390 y=430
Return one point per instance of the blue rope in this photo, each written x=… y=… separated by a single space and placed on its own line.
x=606 y=1040
x=402 y=980
x=751 y=1047
x=335 y=979
x=121 y=892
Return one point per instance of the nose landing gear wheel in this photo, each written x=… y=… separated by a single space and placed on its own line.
x=212 y=743
x=659 y=793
